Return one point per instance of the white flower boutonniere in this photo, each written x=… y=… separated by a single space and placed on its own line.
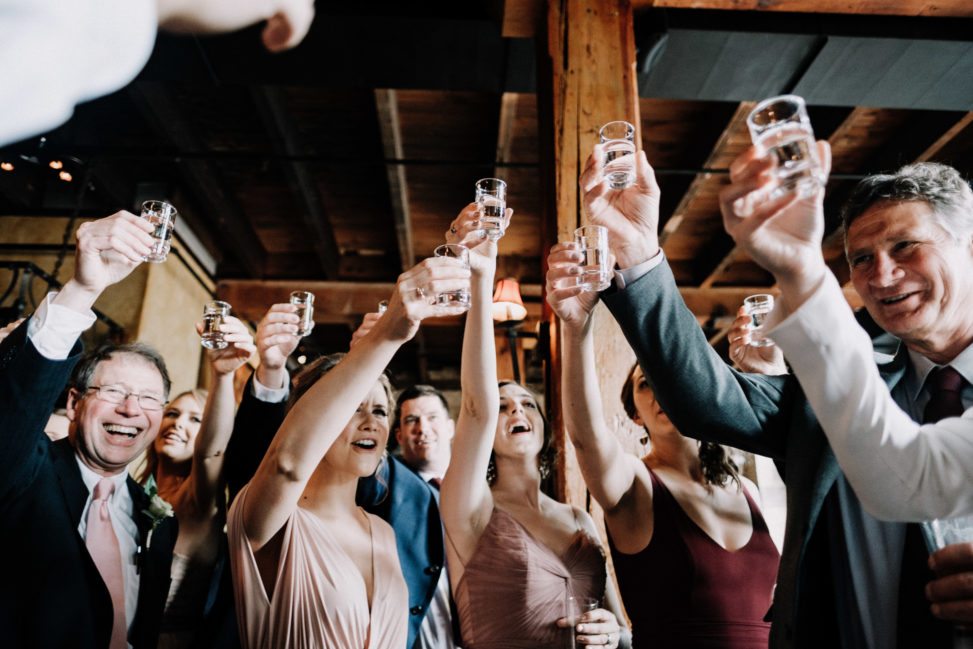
x=158 y=509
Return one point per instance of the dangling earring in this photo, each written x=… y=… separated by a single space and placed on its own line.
x=491 y=475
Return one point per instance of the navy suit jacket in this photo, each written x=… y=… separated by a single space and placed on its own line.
x=768 y=415
x=52 y=594
x=398 y=495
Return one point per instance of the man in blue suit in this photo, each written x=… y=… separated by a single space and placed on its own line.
x=846 y=579
x=88 y=565
x=396 y=493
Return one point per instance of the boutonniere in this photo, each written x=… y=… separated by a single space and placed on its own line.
x=158 y=509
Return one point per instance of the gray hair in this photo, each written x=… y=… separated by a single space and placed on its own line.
x=939 y=186
x=85 y=370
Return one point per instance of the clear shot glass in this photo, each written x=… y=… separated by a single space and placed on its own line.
x=162 y=216
x=491 y=200
x=780 y=127
x=592 y=242
x=213 y=315
x=757 y=307
x=460 y=298
x=618 y=139
x=304 y=301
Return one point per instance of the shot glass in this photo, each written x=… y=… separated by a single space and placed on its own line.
x=939 y=533
x=619 y=141
x=574 y=608
x=491 y=200
x=213 y=314
x=459 y=298
x=162 y=216
x=592 y=241
x=383 y=306
x=757 y=307
x=779 y=126
x=304 y=301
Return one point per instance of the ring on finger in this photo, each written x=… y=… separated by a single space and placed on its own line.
x=452 y=229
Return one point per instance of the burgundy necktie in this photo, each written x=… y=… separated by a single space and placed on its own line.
x=103 y=546
x=945 y=387
x=436 y=482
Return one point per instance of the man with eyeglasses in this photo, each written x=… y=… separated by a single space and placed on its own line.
x=88 y=556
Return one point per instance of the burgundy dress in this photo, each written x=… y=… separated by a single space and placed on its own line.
x=685 y=590
x=514 y=588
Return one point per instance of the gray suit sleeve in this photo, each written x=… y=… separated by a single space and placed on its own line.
x=704 y=397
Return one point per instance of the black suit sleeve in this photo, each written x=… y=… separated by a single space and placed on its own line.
x=29 y=387
x=703 y=396
x=254 y=428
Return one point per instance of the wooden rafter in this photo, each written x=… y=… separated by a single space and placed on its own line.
x=387 y=107
x=941 y=8
x=965 y=123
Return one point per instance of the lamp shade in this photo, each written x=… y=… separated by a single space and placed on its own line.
x=507 y=304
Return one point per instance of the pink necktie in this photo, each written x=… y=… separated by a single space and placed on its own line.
x=103 y=547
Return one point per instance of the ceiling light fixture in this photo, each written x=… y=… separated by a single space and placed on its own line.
x=7 y=166
x=56 y=164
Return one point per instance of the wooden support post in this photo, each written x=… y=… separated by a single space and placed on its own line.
x=588 y=69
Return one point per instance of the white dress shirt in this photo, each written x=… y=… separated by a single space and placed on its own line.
x=900 y=470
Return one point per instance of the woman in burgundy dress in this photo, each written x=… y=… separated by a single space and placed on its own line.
x=696 y=565
x=515 y=555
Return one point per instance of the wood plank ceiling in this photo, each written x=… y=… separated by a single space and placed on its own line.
x=338 y=165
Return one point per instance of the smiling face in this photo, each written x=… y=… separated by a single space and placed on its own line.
x=359 y=448
x=425 y=434
x=109 y=436
x=913 y=277
x=520 y=426
x=180 y=426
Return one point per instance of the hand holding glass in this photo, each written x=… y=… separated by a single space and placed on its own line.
x=780 y=127
x=757 y=307
x=213 y=314
x=459 y=298
x=162 y=216
x=592 y=241
x=618 y=139
x=574 y=609
x=304 y=301
x=491 y=200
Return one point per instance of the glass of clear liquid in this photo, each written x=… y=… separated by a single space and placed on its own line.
x=162 y=216
x=458 y=300
x=780 y=127
x=592 y=242
x=757 y=307
x=618 y=139
x=939 y=533
x=383 y=306
x=491 y=200
x=213 y=314
x=574 y=608
x=304 y=301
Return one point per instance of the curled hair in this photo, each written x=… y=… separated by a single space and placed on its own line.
x=84 y=372
x=547 y=454
x=938 y=185
x=151 y=455
x=718 y=469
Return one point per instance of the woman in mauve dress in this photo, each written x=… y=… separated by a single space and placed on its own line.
x=310 y=567
x=527 y=571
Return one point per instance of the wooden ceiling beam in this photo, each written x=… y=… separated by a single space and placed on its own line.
x=387 y=107
x=925 y=8
x=288 y=141
x=199 y=176
x=934 y=149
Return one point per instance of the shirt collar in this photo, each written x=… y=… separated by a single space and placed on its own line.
x=91 y=479
x=922 y=366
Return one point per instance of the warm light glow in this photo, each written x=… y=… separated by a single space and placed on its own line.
x=56 y=164
x=7 y=166
x=507 y=303
x=65 y=176
x=302 y=359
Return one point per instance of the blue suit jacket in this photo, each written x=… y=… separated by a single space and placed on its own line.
x=398 y=495
x=768 y=415
x=51 y=594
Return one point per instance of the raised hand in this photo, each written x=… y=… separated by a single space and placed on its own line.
x=465 y=230
x=767 y=360
x=782 y=234
x=367 y=323
x=234 y=355
x=276 y=340
x=109 y=249
x=288 y=25
x=631 y=214
x=572 y=305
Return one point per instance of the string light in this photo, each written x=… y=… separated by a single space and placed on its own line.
x=65 y=176
x=56 y=164
x=6 y=166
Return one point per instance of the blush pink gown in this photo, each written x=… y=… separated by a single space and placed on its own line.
x=319 y=595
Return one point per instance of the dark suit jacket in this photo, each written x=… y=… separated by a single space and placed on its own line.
x=768 y=415
x=51 y=594
x=397 y=495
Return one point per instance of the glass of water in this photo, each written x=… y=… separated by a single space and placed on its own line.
x=459 y=298
x=383 y=306
x=213 y=314
x=619 y=141
x=162 y=216
x=939 y=533
x=574 y=608
x=304 y=301
x=779 y=126
x=592 y=242
x=491 y=200
x=757 y=307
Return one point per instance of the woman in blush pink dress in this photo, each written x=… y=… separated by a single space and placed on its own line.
x=515 y=555
x=311 y=568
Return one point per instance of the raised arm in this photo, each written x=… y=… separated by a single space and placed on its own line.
x=318 y=418
x=209 y=453
x=609 y=472
x=466 y=501
x=288 y=21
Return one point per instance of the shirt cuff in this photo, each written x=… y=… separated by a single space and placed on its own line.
x=271 y=395
x=819 y=306
x=625 y=276
x=54 y=329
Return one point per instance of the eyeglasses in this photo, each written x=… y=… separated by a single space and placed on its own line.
x=115 y=394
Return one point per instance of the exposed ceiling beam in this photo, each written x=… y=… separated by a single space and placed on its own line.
x=964 y=123
x=203 y=180
x=387 y=107
x=287 y=140
x=521 y=18
x=940 y=8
